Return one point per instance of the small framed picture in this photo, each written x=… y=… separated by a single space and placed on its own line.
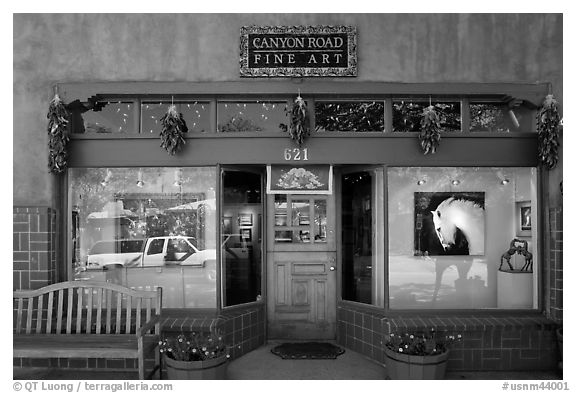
x=523 y=218
x=245 y=219
x=246 y=234
x=280 y=219
x=227 y=225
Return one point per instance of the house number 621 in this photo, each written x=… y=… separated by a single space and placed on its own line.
x=296 y=154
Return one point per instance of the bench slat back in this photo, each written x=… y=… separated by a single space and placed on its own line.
x=84 y=307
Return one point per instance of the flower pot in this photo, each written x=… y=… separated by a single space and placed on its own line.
x=402 y=366
x=206 y=369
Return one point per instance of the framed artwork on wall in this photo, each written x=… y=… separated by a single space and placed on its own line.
x=524 y=218
x=227 y=225
x=245 y=219
x=449 y=223
x=246 y=234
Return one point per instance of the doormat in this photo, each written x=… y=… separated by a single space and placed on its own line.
x=307 y=350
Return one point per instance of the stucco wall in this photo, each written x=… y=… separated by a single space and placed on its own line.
x=50 y=49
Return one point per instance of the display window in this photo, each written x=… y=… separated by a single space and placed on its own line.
x=450 y=231
x=145 y=228
x=454 y=238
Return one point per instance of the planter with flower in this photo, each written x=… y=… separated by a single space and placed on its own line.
x=418 y=355
x=195 y=356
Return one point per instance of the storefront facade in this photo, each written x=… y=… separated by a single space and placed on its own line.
x=351 y=235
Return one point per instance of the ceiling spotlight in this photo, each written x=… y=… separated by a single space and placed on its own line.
x=421 y=182
x=455 y=182
x=505 y=181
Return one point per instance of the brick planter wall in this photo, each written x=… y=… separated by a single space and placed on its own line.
x=34 y=247
x=243 y=330
x=555 y=273
x=490 y=342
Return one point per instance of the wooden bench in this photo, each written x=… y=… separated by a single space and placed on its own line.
x=88 y=319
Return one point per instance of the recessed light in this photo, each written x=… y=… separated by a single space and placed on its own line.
x=421 y=182
x=505 y=181
x=455 y=182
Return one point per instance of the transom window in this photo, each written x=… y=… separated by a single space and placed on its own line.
x=376 y=114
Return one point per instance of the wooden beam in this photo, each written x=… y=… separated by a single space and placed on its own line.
x=532 y=93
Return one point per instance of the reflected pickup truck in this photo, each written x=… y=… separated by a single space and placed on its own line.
x=154 y=251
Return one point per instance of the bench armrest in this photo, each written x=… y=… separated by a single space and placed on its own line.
x=148 y=326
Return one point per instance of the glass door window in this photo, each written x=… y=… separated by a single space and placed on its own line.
x=241 y=244
x=363 y=241
x=299 y=219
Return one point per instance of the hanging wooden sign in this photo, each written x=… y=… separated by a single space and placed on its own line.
x=272 y=51
x=306 y=179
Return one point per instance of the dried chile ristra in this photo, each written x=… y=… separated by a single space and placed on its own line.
x=548 y=125
x=173 y=129
x=57 y=135
x=299 y=123
x=430 y=133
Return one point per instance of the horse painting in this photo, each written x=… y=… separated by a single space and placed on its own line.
x=459 y=220
x=449 y=224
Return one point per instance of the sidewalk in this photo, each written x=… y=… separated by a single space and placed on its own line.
x=261 y=364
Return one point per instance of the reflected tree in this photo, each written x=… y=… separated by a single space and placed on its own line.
x=349 y=116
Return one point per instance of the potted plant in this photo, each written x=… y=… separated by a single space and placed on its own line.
x=195 y=356
x=418 y=355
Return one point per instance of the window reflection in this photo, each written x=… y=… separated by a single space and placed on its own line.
x=155 y=233
x=195 y=113
x=319 y=221
x=498 y=117
x=300 y=212
x=407 y=115
x=349 y=116
x=111 y=117
x=251 y=116
x=281 y=210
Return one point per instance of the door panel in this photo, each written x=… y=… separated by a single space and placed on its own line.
x=301 y=267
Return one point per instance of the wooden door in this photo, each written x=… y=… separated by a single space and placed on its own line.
x=301 y=274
